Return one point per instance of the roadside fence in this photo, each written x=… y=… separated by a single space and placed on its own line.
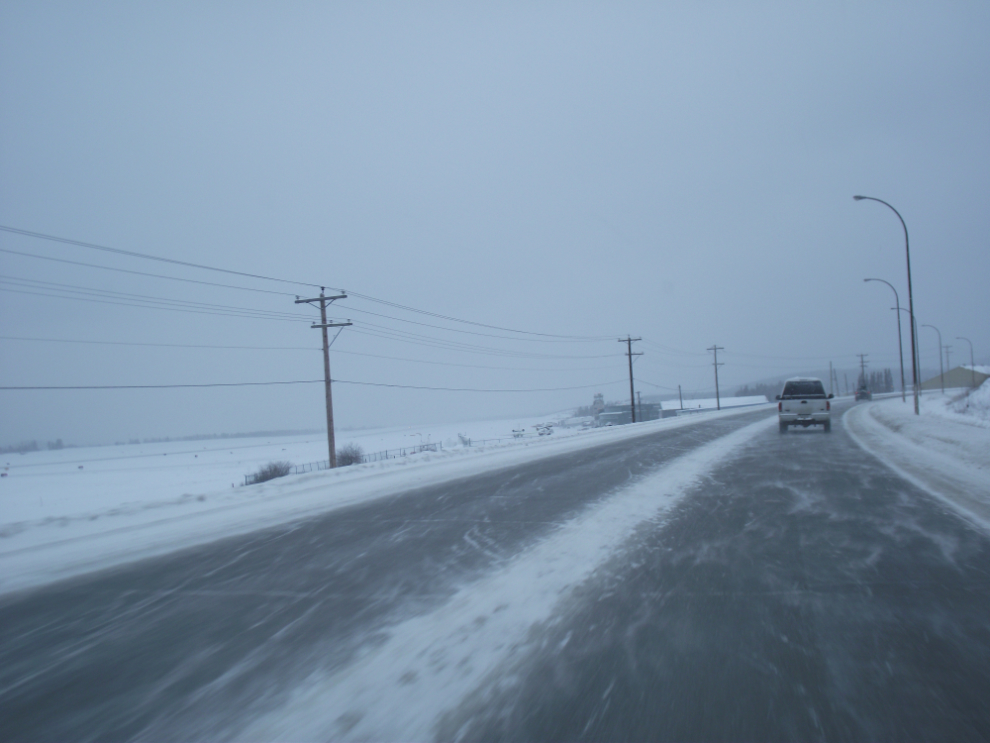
x=378 y=456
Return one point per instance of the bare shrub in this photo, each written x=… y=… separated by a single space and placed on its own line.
x=350 y=454
x=270 y=471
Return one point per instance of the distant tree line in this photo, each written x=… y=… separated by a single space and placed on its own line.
x=877 y=381
x=27 y=446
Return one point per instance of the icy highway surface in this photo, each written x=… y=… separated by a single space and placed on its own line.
x=713 y=582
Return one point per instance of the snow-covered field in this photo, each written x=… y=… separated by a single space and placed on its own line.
x=945 y=449
x=94 y=481
x=70 y=511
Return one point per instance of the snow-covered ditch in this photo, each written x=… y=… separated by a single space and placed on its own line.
x=67 y=512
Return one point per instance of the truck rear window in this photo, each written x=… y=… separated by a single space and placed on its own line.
x=804 y=389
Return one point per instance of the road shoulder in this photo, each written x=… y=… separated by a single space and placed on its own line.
x=33 y=554
x=948 y=459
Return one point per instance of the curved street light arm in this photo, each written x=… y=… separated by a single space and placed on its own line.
x=900 y=347
x=972 y=364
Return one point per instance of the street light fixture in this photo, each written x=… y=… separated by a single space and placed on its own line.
x=900 y=348
x=941 y=370
x=907 y=253
x=972 y=364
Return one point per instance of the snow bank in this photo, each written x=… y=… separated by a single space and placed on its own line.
x=946 y=453
x=67 y=512
x=974 y=405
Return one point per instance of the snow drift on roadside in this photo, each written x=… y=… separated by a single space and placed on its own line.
x=974 y=405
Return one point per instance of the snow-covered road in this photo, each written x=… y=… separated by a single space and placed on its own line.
x=696 y=580
x=69 y=512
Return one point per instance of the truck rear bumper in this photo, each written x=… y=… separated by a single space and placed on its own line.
x=815 y=419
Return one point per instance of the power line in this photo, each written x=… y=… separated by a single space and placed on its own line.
x=145 y=273
x=299 y=348
x=158 y=345
x=658 y=386
x=668 y=349
x=471 y=389
x=151 y=307
x=146 y=256
x=470 y=322
x=478 y=366
x=471 y=332
x=160 y=386
x=165 y=303
x=149 y=299
x=301 y=381
x=465 y=348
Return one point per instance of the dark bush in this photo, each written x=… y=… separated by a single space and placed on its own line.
x=350 y=454
x=270 y=471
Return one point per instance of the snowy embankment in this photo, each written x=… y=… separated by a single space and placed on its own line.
x=945 y=449
x=68 y=512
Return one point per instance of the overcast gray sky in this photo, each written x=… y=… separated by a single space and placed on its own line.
x=681 y=172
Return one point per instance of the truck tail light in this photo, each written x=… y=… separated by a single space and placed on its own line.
x=828 y=405
x=780 y=406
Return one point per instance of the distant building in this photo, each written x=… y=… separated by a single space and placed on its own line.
x=961 y=376
x=617 y=415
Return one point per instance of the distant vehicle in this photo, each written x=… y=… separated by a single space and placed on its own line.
x=863 y=393
x=804 y=403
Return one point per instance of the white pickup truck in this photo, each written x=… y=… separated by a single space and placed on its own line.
x=804 y=403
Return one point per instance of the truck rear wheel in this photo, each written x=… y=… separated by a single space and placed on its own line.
x=828 y=426
x=783 y=427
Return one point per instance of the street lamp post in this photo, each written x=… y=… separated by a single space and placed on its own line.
x=907 y=253
x=914 y=331
x=941 y=370
x=900 y=348
x=972 y=364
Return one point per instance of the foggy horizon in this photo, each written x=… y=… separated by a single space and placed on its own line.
x=503 y=192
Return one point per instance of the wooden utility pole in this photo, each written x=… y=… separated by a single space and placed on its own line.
x=863 y=381
x=830 y=390
x=680 y=397
x=629 y=352
x=323 y=325
x=716 y=349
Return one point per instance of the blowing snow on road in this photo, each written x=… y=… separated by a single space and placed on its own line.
x=711 y=581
